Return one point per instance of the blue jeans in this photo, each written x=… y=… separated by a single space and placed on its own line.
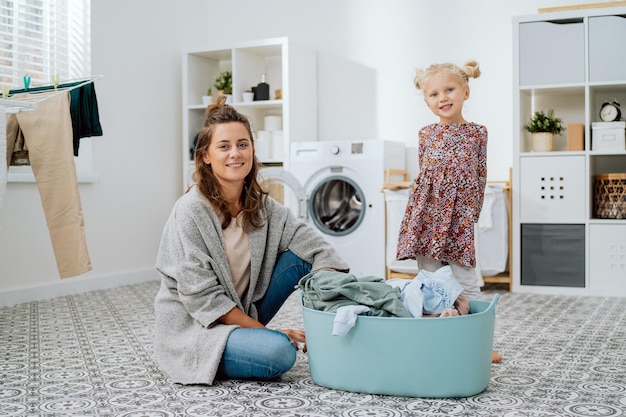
x=264 y=353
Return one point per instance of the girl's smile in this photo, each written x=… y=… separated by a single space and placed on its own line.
x=444 y=95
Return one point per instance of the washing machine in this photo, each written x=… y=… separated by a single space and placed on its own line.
x=336 y=187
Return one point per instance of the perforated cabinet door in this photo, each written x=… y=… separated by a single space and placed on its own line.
x=552 y=190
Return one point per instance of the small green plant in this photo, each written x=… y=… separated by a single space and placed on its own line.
x=209 y=92
x=224 y=82
x=545 y=122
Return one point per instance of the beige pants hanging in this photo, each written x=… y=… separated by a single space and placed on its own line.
x=47 y=134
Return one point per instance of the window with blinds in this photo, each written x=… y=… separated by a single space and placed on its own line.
x=43 y=39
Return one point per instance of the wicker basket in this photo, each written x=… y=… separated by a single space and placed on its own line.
x=609 y=196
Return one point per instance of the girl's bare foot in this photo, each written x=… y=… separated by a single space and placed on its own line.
x=450 y=312
x=496 y=357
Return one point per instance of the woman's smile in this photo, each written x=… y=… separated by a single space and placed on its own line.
x=230 y=153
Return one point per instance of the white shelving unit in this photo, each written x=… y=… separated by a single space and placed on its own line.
x=286 y=65
x=569 y=61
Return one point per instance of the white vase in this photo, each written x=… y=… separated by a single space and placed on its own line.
x=206 y=100
x=542 y=141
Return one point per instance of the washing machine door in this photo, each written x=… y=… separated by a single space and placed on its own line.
x=285 y=188
x=337 y=205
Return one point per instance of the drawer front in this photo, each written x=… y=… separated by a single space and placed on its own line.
x=552 y=190
x=607 y=63
x=551 y=53
x=553 y=255
x=607 y=257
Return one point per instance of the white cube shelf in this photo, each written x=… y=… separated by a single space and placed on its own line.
x=569 y=61
x=289 y=68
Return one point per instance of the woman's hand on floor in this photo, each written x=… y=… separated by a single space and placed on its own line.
x=296 y=337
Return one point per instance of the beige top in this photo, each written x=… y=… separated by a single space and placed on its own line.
x=238 y=254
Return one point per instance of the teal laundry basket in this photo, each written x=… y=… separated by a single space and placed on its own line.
x=414 y=357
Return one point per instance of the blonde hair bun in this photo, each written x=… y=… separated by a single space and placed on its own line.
x=470 y=69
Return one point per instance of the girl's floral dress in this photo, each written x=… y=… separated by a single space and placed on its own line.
x=448 y=194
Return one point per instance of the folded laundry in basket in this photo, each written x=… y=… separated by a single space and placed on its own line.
x=328 y=290
x=428 y=293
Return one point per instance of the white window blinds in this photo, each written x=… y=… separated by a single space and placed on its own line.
x=44 y=38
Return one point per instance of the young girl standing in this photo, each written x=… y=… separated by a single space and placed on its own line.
x=446 y=199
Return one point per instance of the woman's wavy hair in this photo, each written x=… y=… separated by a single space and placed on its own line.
x=253 y=196
x=470 y=70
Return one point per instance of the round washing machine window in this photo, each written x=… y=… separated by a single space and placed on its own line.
x=337 y=206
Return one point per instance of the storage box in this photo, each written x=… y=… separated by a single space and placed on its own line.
x=608 y=136
x=575 y=136
x=414 y=357
x=609 y=196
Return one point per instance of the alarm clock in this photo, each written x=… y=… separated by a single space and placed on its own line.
x=610 y=111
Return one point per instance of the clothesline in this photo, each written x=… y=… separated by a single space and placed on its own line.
x=38 y=94
x=13 y=106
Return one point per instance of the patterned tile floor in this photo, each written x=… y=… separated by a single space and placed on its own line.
x=91 y=355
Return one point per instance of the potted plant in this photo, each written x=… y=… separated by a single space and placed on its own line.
x=208 y=99
x=224 y=83
x=543 y=126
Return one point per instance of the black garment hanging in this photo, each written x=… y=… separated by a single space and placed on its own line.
x=84 y=112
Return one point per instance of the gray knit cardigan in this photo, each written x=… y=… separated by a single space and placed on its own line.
x=196 y=286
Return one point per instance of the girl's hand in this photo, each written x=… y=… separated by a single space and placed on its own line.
x=296 y=337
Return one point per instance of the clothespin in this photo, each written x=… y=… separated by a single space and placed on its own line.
x=55 y=80
x=5 y=91
x=26 y=82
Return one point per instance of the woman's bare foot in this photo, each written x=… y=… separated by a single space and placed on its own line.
x=495 y=357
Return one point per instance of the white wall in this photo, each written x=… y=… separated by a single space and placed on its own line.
x=390 y=39
x=137 y=46
x=367 y=53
